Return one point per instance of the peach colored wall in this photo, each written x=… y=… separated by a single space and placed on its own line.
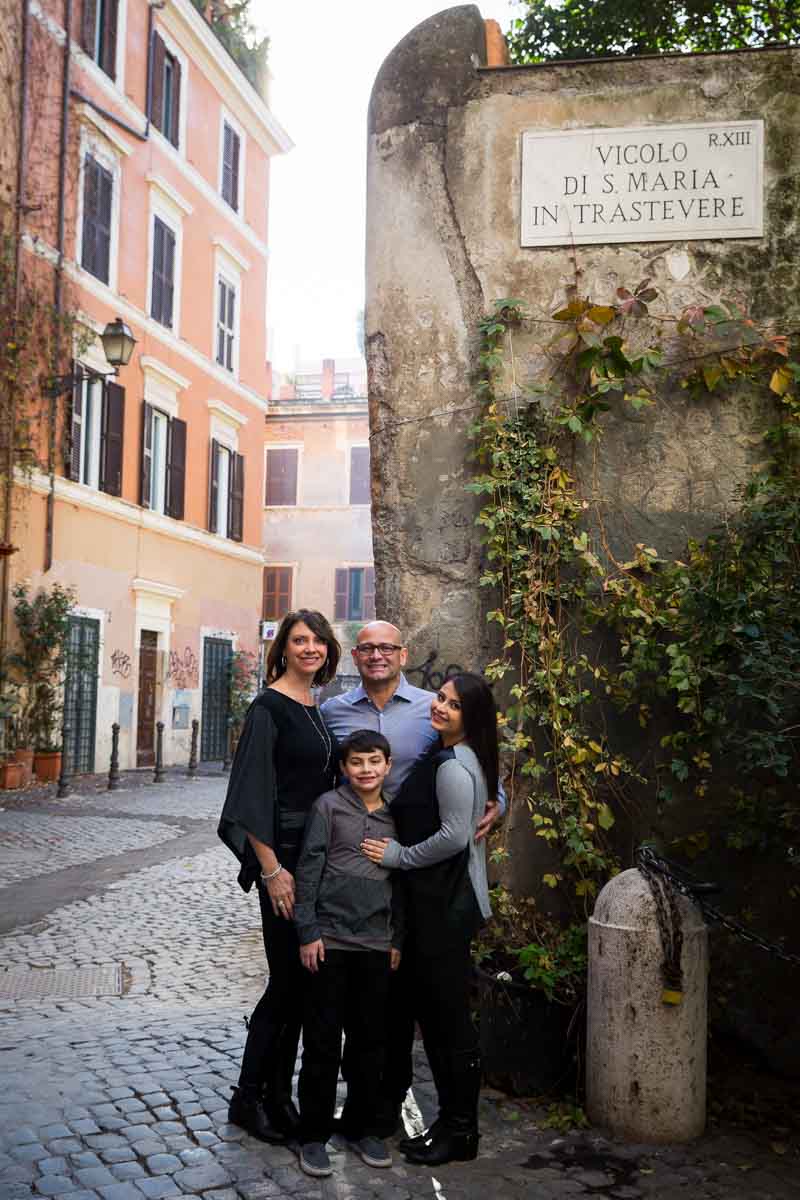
x=323 y=531
x=101 y=545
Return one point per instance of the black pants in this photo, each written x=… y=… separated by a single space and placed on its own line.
x=432 y=989
x=273 y=1036
x=348 y=994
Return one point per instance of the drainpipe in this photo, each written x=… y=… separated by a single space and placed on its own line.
x=58 y=292
x=8 y=483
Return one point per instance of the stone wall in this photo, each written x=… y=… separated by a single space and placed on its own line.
x=443 y=242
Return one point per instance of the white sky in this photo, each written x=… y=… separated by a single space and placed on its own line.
x=324 y=55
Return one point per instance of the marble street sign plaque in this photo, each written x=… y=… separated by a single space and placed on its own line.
x=649 y=183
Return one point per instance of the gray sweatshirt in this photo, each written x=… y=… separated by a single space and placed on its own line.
x=340 y=895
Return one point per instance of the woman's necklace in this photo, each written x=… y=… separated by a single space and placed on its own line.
x=323 y=736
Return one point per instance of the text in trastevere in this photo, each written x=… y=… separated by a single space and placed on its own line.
x=650 y=183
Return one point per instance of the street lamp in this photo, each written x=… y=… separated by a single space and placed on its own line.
x=118 y=343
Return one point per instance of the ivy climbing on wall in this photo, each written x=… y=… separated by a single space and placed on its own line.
x=708 y=643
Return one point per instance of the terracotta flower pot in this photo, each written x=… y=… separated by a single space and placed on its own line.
x=25 y=759
x=11 y=774
x=47 y=765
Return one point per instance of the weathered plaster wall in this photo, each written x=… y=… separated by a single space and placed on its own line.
x=443 y=243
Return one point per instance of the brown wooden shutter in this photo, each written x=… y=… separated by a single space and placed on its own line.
x=213 y=487
x=359 y=475
x=235 y=171
x=175 y=131
x=108 y=50
x=281 y=477
x=76 y=428
x=147 y=455
x=157 y=286
x=369 y=594
x=89 y=26
x=236 y=501
x=277 y=592
x=176 y=468
x=111 y=435
x=157 y=94
x=340 y=596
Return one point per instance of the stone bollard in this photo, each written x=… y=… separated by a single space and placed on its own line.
x=158 y=773
x=645 y=1060
x=192 y=771
x=113 y=770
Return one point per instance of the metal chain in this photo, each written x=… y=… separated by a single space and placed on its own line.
x=649 y=863
x=670 y=928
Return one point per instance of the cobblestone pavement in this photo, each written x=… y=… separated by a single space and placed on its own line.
x=125 y=1097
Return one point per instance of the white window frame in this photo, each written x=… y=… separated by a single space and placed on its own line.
x=227 y=118
x=183 y=96
x=158 y=479
x=161 y=388
x=94 y=144
x=170 y=215
x=228 y=271
x=118 y=81
x=351 y=446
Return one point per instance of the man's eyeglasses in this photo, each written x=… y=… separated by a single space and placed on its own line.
x=365 y=649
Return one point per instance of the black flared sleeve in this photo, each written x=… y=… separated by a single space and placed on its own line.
x=251 y=804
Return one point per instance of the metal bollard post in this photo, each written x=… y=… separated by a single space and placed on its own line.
x=193 y=748
x=226 y=762
x=113 y=772
x=63 y=776
x=158 y=774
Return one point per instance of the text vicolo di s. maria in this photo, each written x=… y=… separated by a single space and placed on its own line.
x=642 y=184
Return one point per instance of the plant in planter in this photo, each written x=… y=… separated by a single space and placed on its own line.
x=243 y=669
x=531 y=983
x=39 y=664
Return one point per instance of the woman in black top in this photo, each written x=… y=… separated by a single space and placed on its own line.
x=285 y=759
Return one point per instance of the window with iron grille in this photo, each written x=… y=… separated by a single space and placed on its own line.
x=163 y=282
x=98 y=193
x=277 y=593
x=99 y=33
x=281 y=476
x=231 y=146
x=226 y=323
x=354 y=598
x=359 y=475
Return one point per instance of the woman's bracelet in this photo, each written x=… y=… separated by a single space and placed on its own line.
x=271 y=874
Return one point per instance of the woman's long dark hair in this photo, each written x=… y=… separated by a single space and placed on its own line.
x=479 y=713
x=318 y=625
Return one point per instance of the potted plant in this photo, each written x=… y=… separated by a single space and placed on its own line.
x=243 y=675
x=531 y=986
x=39 y=663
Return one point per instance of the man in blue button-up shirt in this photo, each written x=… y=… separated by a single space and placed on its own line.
x=387 y=702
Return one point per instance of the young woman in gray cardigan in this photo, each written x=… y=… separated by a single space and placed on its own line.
x=444 y=870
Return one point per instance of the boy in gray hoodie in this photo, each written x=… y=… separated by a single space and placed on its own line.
x=348 y=916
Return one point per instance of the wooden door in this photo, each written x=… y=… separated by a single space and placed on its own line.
x=146 y=722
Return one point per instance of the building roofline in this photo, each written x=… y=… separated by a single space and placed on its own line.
x=189 y=15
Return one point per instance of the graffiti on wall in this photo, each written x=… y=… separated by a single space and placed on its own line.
x=121 y=664
x=184 y=669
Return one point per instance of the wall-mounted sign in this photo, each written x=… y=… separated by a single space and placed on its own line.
x=650 y=183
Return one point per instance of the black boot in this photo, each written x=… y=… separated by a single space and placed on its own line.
x=454 y=1136
x=247 y=1111
x=282 y=1115
x=419 y=1139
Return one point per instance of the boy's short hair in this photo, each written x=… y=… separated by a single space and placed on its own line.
x=362 y=741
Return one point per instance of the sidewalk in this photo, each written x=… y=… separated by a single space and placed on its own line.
x=117 y=1089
